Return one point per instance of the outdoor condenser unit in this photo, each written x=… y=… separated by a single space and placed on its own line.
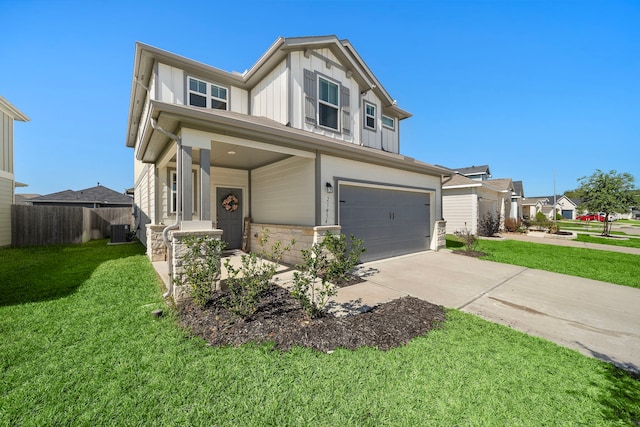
x=120 y=233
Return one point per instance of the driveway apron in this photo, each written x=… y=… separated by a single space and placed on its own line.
x=598 y=319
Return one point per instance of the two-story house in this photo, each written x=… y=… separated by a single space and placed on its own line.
x=307 y=140
x=8 y=114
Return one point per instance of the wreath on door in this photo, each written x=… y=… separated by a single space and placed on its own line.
x=230 y=203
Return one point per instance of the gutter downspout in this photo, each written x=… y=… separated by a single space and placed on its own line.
x=175 y=225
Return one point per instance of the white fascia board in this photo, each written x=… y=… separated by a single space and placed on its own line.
x=451 y=187
x=12 y=111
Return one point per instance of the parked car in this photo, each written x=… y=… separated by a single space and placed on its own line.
x=600 y=216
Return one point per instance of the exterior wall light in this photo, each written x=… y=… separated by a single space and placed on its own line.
x=329 y=187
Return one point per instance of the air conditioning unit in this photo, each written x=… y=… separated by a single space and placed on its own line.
x=120 y=233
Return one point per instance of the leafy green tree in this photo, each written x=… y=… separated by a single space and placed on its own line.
x=607 y=192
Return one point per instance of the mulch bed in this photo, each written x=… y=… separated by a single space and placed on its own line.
x=474 y=254
x=280 y=319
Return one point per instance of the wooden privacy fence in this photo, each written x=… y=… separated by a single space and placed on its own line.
x=50 y=225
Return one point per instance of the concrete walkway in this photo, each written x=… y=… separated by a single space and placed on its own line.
x=596 y=318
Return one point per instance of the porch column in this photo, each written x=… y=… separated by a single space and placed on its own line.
x=205 y=185
x=187 y=184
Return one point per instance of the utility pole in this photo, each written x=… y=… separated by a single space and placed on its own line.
x=555 y=214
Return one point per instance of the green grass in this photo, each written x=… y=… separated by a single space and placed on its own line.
x=613 y=267
x=628 y=243
x=93 y=355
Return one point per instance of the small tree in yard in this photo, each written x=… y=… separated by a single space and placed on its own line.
x=469 y=239
x=607 y=192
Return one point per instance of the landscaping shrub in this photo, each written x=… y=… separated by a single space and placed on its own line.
x=469 y=239
x=201 y=267
x=512 y=225
x=489 y=224
x=248 y=283
x=324 y=265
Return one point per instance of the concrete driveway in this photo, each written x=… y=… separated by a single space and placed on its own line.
x=598 y=319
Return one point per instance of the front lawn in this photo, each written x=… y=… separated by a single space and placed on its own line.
x=612 y=267
x=91 y=354
x=631 y=242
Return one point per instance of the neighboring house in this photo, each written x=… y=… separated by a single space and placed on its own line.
x=467 y=201
x=8 y=114
x=94 y=197
x=564 y=206
x=305 y=141
x=24 y=199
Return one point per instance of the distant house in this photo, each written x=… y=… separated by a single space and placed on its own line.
x=564 y=206
x=466 y=201
x=307 y=140
x=24 y=199
x=94 y=197
x=8 y=114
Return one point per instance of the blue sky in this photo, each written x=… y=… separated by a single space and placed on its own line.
x=528 y=87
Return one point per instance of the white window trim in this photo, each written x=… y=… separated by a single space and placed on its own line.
x=172 y=193
x=367 y=115
x=208 y=96
x=329 y=104
x=393 y=127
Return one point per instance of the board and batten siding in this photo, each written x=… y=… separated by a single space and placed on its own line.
x=284 y=192
x=460 y=210
x=269 y=97
x=6 y=200
x=6 y=142
x=170 y=84
x=387 y=177
x=390 y=139
x=338 y=74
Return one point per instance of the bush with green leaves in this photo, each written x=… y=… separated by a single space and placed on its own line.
x=201 y=267
x=324 y=265
x=469 y=239
x=489 y=224
x=248 y=282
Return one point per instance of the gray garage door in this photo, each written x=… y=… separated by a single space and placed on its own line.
x=567 y=214
x=391 y=222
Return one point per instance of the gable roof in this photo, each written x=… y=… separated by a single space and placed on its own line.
x=97 y=194
x=547 y=200
x=146 y=56
x=503 y=184
x=12 y=111
x=473 y=170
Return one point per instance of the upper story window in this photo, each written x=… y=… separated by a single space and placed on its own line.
x=207 y=95
x=389 y=122
x=328 y=104
x=369 y=116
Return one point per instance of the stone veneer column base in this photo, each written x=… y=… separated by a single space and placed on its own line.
x=304 y=237
x=441 y=229
x=156 y=249
x=181 y=290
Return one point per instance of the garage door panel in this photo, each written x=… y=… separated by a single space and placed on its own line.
x=390 y=222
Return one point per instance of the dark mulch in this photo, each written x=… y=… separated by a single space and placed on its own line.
x=474 y=254
x=280 y=319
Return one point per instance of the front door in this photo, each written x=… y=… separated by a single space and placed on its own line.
x=229 y=215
